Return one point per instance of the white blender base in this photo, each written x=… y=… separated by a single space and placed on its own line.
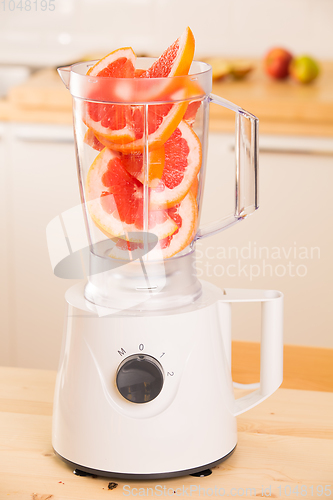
x=190 y=426
x=77 y=469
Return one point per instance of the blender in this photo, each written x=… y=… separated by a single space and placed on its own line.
x=144 y=387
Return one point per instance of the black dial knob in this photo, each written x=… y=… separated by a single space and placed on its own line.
x=139 y=378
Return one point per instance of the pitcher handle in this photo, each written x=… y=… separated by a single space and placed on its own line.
x=271 y=345
x=246 y=182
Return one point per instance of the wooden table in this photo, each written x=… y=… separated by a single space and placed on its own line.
x=285 y=444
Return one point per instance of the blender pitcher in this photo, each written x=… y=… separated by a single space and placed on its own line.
x=146 y=359
x=141 y=152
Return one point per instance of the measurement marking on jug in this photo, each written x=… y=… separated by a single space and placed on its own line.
x=122 y=352
x=162 y=354
x=141 y=347
x=171 y=374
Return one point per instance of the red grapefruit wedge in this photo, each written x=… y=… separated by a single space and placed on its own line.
x=129 y=128
x=110 y=120
x=92 y=141
x=182 y=164
x=185 y=215
x=118 y=64
x=175 y=60
x=147 y=169
x=136 y=163
x=115 y=200
x=152 y=130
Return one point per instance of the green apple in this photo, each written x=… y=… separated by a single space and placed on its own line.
x=304 y=69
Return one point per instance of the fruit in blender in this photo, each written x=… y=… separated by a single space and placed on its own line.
x=184 y=214
x=119 y=181
x=176 y=60
x=181 y=167
x=115 y=199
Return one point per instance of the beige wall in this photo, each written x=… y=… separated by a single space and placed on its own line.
x=221 y=27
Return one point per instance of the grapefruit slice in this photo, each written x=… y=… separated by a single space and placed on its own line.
x=115 y=200
x=118 y=64
x=182 y=164
x=128 y=250
x=195 y=187
x=192 y=111
x=110 y=120
x=185 y=215
x=172 y=169
x=124 y=127
x=134 y=163
x=151 y=174
x=162 y=121
x=92 y=140
x=176 y=60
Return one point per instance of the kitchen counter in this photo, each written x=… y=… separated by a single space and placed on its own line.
x=285 y=446
x=283 y=108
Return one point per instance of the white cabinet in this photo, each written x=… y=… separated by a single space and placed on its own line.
x=41 y=183
x=5 y=338
x=286 y=244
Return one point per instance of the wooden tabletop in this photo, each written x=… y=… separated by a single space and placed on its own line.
x=285 y=446
x=283 y=107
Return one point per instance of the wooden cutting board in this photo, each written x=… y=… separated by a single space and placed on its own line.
x=282 y=99
x=283 y=107
x=44 y=90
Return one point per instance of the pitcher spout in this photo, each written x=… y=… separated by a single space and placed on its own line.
x=65 y=74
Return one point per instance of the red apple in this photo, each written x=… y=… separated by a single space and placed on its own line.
x=276 y=63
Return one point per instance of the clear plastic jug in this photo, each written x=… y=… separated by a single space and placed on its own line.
x=141 y=147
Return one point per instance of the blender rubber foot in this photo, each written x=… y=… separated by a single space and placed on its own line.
x=80 y=470
x=203 y=473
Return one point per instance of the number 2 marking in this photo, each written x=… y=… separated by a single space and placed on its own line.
x=171 y=374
